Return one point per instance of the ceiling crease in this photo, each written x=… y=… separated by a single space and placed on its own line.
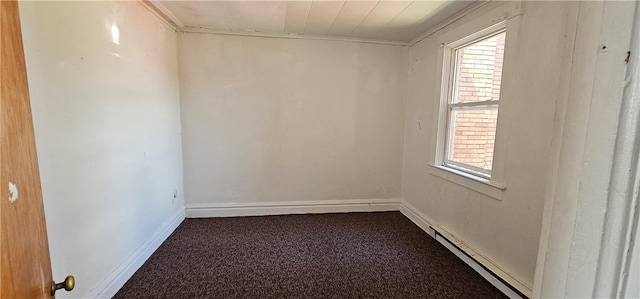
x=360 y=23
x=336 y=17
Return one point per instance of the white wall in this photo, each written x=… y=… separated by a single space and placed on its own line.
x=280 y=120
x=107 y=122
x=505 y=231
x=594 y=170
x=632 y=289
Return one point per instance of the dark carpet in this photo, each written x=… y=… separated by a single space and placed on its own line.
x=351 y=255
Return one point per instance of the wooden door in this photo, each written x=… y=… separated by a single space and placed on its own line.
x=25 y=269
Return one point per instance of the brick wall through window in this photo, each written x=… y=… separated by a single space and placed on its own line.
x=478 y=77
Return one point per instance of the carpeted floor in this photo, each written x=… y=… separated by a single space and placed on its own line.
x=354 y=255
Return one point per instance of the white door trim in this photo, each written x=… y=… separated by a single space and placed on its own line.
x=588 y=216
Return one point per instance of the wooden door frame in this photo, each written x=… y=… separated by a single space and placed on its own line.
x=25 y=266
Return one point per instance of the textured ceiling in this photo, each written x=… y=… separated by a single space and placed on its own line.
x=387 y=20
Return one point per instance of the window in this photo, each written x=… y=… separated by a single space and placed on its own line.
x=477 y=83
x=474 y=75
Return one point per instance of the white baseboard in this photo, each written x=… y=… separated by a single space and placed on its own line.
x=418 y=218
x=110 y=285
x=291 y=207
x=489 y=271
x=498 y=278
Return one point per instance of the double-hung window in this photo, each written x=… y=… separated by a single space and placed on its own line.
x=474 y=75
x=473 y=115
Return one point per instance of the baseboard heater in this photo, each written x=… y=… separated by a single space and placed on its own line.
x=472 y=259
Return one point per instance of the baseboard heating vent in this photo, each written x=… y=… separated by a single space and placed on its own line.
x=502 y=281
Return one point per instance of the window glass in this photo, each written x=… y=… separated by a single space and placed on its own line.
x=479 y=70
x=476 y=74
x=473 y=135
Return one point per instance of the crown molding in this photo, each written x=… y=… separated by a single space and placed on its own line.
x=457 y=16
x=204 y=30
x=163 y=13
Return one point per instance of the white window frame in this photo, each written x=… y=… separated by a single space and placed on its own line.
x=503 y=18
x=450 y=67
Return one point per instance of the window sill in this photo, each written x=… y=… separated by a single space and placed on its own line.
x=472 y=182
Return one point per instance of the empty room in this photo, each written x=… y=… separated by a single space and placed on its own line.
x=320 y=149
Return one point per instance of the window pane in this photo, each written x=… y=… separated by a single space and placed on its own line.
x=472 y=136
x=479 y=70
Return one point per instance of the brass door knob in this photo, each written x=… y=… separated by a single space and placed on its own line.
x=67 y=284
